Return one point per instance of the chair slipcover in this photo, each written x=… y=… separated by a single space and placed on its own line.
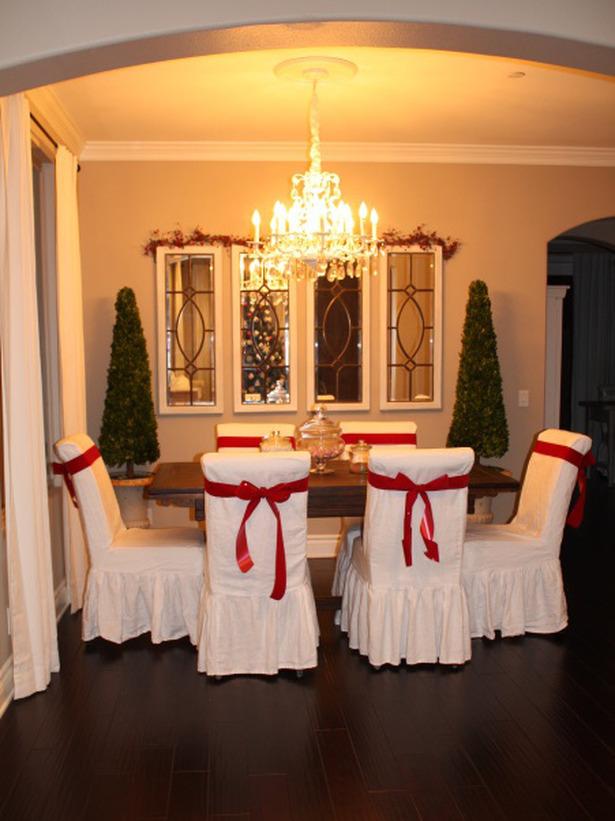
x=245 y=437
x=511 y=573
x=392 y=611
x=242 y=629
x=140 y=580
x=372 y=433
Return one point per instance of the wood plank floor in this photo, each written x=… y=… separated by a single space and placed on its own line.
x=525 y=731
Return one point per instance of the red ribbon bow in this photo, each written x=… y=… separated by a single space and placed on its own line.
x=254 y=495
x=580 y=461
x=413 y=491
x=244 y=441
x=380 y=438
x=68 y=469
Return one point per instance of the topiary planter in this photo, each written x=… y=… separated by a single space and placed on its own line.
x=130 y=493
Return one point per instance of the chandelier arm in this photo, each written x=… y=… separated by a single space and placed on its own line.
x=314 y=132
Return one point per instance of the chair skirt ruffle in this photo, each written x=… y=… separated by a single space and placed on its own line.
x=344 y=557
x=257 y=634
x=418 y=625
x=122 y=605
x=523 y=598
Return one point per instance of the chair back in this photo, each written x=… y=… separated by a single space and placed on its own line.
x=100 y=513
x=224 y=517
x=245 y=437
x=383 y=534
x=378 y=434
x=547 y=487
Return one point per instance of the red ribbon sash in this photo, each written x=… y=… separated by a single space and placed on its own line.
x=253 y=495
x=380 y=438
x=243 y=442
x=580 y=461
x=68 y=469
x=413 y=491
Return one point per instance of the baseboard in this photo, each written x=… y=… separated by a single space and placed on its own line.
x=6 y=672
x=322 y=545
x=6 y=684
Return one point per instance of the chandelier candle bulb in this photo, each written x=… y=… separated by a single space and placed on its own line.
x=374 y=221
x=362 y=215
x=256 y=222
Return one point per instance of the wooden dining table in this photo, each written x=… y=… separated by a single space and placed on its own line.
x=340 y=493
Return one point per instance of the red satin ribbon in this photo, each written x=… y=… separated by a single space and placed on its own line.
x=68 y=469
x=380 y=438
x=243 y=441
x=413 y=491
x=580 y=461
x=253 y=495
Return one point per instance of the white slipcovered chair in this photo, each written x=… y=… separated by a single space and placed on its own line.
x=258 y=613
x=400 y=433
x=140 y=580
x=512 y=573
x=245 y=437
x=403 y=597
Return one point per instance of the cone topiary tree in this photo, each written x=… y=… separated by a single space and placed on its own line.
x=479 y=416
x=128 y=434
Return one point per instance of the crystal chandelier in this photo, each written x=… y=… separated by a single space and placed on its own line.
x=316 y=235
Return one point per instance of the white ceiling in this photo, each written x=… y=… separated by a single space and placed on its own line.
x=397 y=96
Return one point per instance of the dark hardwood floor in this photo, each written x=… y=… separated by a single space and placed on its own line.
x=526 y=730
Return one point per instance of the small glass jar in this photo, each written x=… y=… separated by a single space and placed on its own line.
x=321 y=436
x=359 y=454
x=275 y=441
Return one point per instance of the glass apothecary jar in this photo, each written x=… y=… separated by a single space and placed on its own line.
x=321 y=436
x=359 y=455
x=275 y=441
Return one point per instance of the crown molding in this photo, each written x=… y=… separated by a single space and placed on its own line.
x=47 y=108
x=235 y=151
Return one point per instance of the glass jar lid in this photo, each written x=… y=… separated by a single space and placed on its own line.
x=320 y=426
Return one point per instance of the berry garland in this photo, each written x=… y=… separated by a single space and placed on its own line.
x=177 y=239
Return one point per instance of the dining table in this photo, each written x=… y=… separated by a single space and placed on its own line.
x=336 y=494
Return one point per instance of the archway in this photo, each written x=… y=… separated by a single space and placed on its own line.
x=580 y=358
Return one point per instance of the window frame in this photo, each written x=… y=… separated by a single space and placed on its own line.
x=364 y=403
x=238 y=405
x=164 y=408
x=436 y=402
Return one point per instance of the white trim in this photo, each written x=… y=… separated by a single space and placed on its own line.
x=238 y=405
x=6 y=684
x=436 y=402
x=6 y=671
x=553 y=353
x=365 y=347
x=47 y=108
x=322 y=545
x=164 y=409
x=270 y=151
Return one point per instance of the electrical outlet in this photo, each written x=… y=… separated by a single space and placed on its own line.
x=524 y=399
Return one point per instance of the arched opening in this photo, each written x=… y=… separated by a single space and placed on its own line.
x=580 y=334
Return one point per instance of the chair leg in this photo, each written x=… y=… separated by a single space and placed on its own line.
x=337 y=618
x=299 y=673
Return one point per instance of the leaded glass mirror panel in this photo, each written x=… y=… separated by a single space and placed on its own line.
x=411 y=328
x=189 y=310
x=264 y=359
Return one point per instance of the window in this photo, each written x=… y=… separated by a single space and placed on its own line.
x=189 y=284
x=338 y=343
x=411 y=323
x=264 y=343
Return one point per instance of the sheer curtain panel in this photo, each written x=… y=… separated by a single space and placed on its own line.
x=72 y=367
x=34 y=637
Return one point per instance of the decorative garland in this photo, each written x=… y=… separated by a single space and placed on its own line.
x=177 y=239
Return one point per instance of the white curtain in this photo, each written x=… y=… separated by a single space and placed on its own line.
x=31 y=598
x=71 y=355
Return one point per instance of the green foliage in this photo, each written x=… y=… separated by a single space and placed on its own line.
x=128 y=433
x=479 y=416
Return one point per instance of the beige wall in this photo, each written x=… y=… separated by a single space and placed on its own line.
x=504 y=216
